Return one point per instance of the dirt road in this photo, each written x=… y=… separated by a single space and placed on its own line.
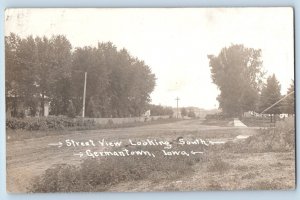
x=29 y=158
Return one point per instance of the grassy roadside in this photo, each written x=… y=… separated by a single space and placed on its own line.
x=19 y=134
x=218 y=122
x=264 y=161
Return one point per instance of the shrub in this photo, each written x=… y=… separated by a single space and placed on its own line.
x=191 y=114
x=47 y=123
x=59 y=178
x=100 y=174
x=91 y=175
x=15 y=123
x=84 y=122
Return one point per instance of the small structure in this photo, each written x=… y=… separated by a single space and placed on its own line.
x=283 y=115
x=16 y=107
x=147 y=113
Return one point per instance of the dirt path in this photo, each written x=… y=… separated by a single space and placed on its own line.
x=31 y=157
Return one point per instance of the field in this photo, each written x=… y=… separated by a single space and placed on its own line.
x=234 y=164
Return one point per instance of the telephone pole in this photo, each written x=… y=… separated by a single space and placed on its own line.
x=84 y=94
x=177 y=99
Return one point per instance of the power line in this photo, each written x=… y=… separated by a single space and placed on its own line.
x=277 y=102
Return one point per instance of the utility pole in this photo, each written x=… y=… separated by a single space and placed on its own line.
x=177 y=99
x=84 y=94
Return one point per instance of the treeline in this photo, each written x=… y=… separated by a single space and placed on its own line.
x=40 y=69
x=188 y=112
x=270 y=94
x=239 y=75
x=158 y=110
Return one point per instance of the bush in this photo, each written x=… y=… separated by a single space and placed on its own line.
x=47 y=123
x=100 y=174
x=15 y=123
x=63 y=178
x=191 y=114
x=92 y=175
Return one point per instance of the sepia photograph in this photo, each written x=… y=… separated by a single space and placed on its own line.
x=149 y=99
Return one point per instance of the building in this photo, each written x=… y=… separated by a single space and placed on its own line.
x=16 y=107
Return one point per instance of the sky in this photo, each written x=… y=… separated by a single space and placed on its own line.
x=174 y=42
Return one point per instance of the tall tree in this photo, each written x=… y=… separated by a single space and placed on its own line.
x=92 y=61
x=60 y=86
x=289 y=103
x=20 y=56
x=39 y=68
x=237 y=72
x=118 y=84
x=270 y=94
x=13 y=85
x=157 y=110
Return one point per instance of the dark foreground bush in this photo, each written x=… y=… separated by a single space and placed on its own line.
x=99 y=174
x=63 y=122
x=46 y=123
x=92 y=175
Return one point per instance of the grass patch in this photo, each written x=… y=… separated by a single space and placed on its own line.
x=214 y=186
x=266 y=185
x=218 y=165
x=278 y=139
x=218 y=122
x=20 y=134
x=249 y=175
x=95 y=175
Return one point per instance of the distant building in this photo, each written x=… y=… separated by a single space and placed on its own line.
x=147 y=113
x=251 y=114
x=199 y=112
x=15 y=107
x=283 y=115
